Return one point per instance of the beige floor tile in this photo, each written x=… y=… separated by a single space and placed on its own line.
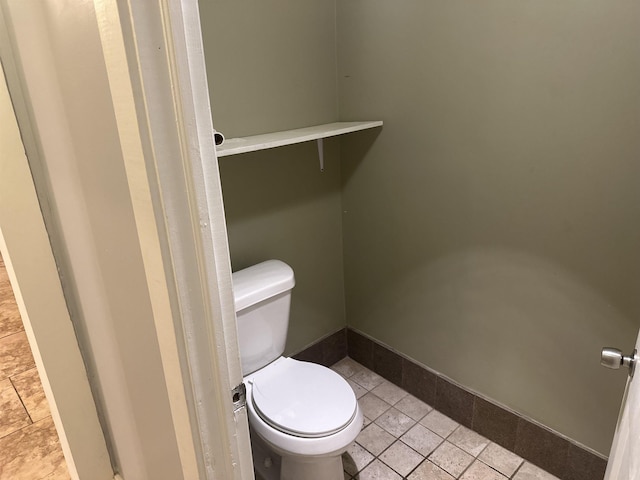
x=357 y=389
x=373 y=406
x=422 y=440
x=531 y=472
x=4 y=278
x=5 y=284
x=30 y=453
x=15 y=355
x=13 y=415
x=355 y=459
x=29 y=388
x=375 y=439
x=377 y=470
x=6 y=297
x=429 y=471
x=501 y=459
x=61 y=473
x=413 y=407
x=468 y=440
x=10 y=321
x=389 y=392
x=401 y=458
x=395 y=422
x=367 y=379
x=365 y=421
x=480 y=471
x=451 y=459
x=439 y=423
x=347 y=367
x=5 y=290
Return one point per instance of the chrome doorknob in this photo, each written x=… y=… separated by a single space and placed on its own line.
x=613 y=358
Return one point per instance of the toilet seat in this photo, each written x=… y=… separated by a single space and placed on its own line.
x=303 y=399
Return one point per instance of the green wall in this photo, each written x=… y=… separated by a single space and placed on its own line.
x=272 y=66
x=492 y=229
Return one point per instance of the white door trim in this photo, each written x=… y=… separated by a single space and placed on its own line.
x=155 y=62
x=623 y=461
x=25 y=247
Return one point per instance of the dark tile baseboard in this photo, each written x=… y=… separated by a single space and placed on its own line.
x=530 y=440
x=326 y=351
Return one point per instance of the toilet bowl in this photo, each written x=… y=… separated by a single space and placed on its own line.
x=302 y=416
x=307 y=414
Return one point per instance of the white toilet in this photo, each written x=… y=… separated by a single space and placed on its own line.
x=302 y=416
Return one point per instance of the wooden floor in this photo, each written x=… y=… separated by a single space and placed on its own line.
x=29 y=446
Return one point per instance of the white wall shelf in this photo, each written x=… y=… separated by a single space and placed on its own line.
x=236 y=146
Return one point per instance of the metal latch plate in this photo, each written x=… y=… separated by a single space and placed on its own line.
x=239 y=397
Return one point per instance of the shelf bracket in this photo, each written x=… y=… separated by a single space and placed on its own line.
x=321 y=153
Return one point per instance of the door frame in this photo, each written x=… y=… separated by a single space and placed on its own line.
x=165 y=84
x=155 y=65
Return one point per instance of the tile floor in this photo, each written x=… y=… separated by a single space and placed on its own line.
x=404 y=437
x=29 y=446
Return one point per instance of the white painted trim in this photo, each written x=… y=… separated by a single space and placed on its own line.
x=169 y=337
x=24 y=244
x=163 y=48
x=623 y=461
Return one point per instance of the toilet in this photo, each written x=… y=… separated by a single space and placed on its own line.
x=302 y=416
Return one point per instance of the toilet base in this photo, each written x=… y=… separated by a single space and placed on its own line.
x=268 y=465
x=314 y=468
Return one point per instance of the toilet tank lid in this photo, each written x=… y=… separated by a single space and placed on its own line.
x=260 y=282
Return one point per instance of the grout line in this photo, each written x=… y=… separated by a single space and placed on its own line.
x=485 y=447
x=21 y=400
x=11 y=333
x=468 y=467
x=518 y=469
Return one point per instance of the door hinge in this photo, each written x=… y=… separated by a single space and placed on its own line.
x=239 y=397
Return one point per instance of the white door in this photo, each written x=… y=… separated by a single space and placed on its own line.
x=624 y=459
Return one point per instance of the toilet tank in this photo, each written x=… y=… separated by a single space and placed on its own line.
x=262 y=295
